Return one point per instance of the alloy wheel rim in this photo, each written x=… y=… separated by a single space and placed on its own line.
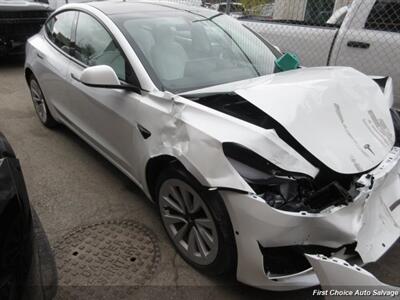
x=188 y=222
x=38 y=101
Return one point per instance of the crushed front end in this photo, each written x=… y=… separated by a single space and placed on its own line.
x=355 y=218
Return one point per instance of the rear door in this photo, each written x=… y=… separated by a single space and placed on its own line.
x=372 y=42
x=51 y=61
x=105 y=117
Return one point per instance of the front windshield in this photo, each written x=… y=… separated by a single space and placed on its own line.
x=184 y=51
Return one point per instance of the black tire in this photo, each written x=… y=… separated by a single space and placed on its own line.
x=226 y=258
x=15 y=225
x=47 y=120
x=15 y=248
x=42 y=278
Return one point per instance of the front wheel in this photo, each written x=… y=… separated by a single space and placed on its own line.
x=196 y=222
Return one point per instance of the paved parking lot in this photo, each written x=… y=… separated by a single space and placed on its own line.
x=70 y=185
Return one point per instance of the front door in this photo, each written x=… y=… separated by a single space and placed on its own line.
x=105 y=117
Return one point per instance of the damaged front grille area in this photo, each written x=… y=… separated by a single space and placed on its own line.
x=289 y=191
x=288 y=260
x=281 y=189
x=300 y=195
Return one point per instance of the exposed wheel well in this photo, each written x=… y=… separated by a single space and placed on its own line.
x=28 y=74
x=154 y=168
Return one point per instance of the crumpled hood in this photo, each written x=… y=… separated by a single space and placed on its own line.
x=338 y=114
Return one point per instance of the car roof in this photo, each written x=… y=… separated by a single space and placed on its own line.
x=115 y=7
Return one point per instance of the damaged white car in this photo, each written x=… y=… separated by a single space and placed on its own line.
x=252 y=164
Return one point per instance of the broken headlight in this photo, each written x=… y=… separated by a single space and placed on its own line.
x=280 y=189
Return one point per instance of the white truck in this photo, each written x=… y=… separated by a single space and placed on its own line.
x=365 y=36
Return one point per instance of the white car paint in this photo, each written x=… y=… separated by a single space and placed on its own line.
x=301 y=105
x=319 y=46
x=339 y=279
x=367 y=221
x=194 y=134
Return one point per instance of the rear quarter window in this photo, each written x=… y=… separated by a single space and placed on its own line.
x=59 y=29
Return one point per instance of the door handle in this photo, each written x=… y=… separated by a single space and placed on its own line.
x=358 y=45
x=40 y=55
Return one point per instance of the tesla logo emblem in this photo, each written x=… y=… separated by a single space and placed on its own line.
x=368 y=147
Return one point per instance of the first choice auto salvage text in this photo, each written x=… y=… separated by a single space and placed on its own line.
x=357 y=292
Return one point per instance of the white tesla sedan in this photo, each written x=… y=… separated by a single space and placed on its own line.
x=251 y=168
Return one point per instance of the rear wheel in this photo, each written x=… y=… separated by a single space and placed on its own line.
x=39 y=102
x=196 y=222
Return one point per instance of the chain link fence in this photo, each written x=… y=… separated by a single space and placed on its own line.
x=364 y=34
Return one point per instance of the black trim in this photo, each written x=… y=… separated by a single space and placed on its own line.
x=246 y=156
x=123 y=86
x=332 y=46
x=381 y=82
x=358 y=45
x=396 y=125
x=394 y=205
x=144 y=132
x=222 y=188
x=287 y=260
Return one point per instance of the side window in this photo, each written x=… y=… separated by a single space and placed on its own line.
x=384 y=16
x=59 y=29
x=94 y=46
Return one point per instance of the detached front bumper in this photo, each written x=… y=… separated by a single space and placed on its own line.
x=371 y=222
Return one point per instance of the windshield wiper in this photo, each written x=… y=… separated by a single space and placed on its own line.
x=209 y=18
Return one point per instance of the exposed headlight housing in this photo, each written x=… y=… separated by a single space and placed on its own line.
x=396 y=123
x=281 y=189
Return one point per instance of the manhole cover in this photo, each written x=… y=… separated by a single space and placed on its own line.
x=112 y=253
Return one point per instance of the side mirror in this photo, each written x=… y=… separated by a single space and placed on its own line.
x=100 y=76
x=105 y=77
